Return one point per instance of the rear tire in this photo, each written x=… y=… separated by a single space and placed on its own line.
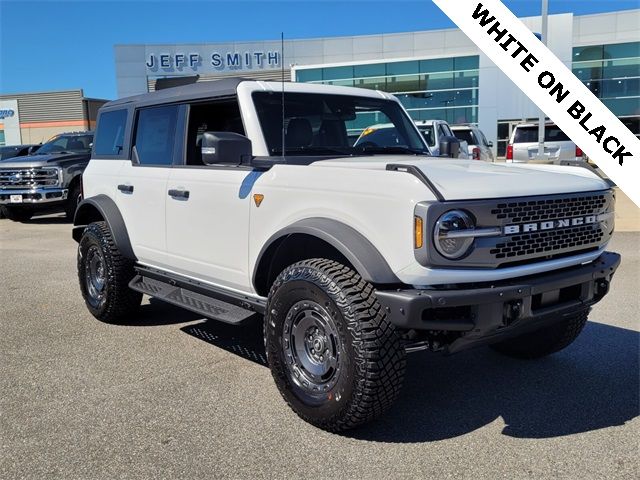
x=17 y=214
x=333 y=354
x=104 y=276
x=545 y=341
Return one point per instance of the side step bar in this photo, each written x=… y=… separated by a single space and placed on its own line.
x=194 y=296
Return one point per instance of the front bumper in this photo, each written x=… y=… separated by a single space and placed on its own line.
x=35 y=196
x=490 y=312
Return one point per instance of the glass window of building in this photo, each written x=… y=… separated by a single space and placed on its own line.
x=612 y=73
x=430 y=89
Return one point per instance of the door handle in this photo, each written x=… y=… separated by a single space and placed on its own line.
x=125 y=188
x=175 y=193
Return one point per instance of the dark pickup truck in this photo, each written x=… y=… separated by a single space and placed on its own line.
x=48 y=180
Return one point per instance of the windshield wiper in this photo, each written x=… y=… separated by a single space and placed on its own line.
x=389 y=149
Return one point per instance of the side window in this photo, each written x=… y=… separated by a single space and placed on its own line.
x=110 y=134
x=222 y=116
x=155 y=135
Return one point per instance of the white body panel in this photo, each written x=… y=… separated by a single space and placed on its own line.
x=143 y=210
x=208 y=234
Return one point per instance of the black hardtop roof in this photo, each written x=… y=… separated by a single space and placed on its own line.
x=218 y=88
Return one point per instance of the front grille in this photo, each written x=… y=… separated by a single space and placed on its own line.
x=543 y=228
x=549 y=209
x=28 y=178
x=549 y=242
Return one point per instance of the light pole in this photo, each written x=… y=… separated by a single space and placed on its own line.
x=542 y=117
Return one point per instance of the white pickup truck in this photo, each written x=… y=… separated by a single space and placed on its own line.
x=247 y=203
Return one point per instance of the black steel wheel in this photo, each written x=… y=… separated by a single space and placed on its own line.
x=547 y=340
x=335 y=358
x=313 y=349
x=104 y=275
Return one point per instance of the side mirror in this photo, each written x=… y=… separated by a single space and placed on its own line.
x=449 y=147
x=227 y=148
x=33 y=149
x=490 y=144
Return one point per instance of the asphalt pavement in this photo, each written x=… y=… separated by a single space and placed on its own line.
x=171 y=394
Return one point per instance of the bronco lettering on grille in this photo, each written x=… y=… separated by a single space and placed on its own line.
x=549 y=225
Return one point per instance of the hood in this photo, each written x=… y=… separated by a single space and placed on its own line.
x=41 y=160
x=473 y=179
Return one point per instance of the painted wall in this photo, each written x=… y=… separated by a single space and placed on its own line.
x=10 y=124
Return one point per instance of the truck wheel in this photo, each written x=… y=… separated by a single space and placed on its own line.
x=17 y=214
x=104 y=275
x=545 y=341
x=335 y=358
x=73 y=199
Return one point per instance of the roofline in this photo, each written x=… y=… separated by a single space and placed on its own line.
x=229 y=86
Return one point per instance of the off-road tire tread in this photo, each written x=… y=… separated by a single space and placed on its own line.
x=545 y=341
x=381 y=358
x=121 y=300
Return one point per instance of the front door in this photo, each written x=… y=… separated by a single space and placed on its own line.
x=208 y=206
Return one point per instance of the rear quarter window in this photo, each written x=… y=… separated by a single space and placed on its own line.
x=109 y=139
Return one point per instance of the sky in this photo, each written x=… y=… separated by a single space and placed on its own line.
x=57 y=45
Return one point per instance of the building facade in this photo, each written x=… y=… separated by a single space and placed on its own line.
x=35 y=117
x=438 y=74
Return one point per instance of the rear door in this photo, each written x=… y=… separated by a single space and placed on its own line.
x=142 y=183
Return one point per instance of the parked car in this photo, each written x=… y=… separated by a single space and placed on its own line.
x=559 y=149
x=10 y=151
x=479 y=147
x=350 y=258
x=433 y=131
x=48 y=180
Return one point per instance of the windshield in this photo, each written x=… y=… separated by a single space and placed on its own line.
x=324 y=124
x=67 y=143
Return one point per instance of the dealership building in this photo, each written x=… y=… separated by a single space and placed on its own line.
x=35 y=117
x=436 y=74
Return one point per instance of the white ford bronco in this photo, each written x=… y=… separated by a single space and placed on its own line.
x=244 y=202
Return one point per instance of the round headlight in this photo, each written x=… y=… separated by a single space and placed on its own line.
x=449 y=236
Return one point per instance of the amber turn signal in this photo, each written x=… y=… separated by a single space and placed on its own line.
x=417 y=232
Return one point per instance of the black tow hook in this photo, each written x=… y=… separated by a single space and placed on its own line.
x=512 y=311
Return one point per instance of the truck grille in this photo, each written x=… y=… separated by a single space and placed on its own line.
x=532 y=229
x=542 y=242
x=549 y=209
x=545 y=243
x=28 y=178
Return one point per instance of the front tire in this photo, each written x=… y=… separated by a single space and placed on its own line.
x=334 y=356
x=73 y=199
x=18 y=214
x=104 y=276
x=545 y=341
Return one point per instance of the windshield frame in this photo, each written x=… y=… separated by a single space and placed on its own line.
x=410 y=132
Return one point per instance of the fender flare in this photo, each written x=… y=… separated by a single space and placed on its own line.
x=111 y=214
x=355 y=247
